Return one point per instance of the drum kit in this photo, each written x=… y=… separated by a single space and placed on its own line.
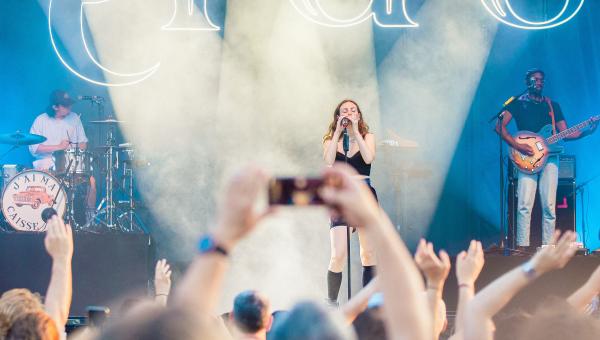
x=65 y=186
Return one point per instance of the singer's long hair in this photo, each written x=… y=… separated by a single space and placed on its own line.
x=363 y=128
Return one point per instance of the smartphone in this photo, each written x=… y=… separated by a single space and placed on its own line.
x=295 y=191
x=97 y=315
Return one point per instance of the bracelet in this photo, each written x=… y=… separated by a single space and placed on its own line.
x=465 y=285
x=161 y=294
x=432 y=288
x=528 y=270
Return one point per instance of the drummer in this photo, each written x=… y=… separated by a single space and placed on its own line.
x=63 y=130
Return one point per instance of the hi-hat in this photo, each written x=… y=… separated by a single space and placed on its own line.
x=21 y=138
x=107 y=121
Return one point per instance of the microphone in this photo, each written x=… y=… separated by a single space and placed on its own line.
x=92 y=98
x=345 y=122
x=346 y=141
x=47 y=214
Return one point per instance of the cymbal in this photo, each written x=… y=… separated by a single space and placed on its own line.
x=107 y=121
x=21 y=138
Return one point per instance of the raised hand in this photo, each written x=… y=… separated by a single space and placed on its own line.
x=435 y=269
x=556 y=255
x=338 y=126
x=236 y=215
x=355 y=129
x=351 y=197
x=59 y=239
x=469 y=264
x=162 y=278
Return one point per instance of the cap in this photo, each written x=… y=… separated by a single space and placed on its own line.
x=60 y=97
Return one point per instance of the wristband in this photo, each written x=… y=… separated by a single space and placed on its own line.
x=528 y=270
x=207 y=244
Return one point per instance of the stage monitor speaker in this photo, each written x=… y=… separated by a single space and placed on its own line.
x=566 y=201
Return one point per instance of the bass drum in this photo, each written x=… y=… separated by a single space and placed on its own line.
x=25 y=197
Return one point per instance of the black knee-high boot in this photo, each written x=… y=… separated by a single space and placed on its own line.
x=367 y=275
x=334 y=281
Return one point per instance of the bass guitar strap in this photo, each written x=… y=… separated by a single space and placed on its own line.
x=551 y=113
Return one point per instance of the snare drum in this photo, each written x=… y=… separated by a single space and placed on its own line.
x=8 y=172
x=27 y=195
x=80 y=162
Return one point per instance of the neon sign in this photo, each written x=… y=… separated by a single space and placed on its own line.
x=395 y=15
x=181 y=23
x=495 y=8
x=125 y=79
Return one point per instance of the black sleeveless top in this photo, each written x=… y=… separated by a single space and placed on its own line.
x=356 y=161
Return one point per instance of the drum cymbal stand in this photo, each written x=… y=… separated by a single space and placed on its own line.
x=108 y=201
x=134 y=223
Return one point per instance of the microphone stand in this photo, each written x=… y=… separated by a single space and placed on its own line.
x=503 y=229
x=346 y=146
x=581 y=188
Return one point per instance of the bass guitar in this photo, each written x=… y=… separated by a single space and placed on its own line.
x=544 y=144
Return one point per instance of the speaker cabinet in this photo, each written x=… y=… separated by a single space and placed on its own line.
x=566 y=201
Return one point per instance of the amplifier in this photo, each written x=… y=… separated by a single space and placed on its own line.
x=566 y=167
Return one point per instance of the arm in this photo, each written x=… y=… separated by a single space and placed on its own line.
x=436 y=271
x=498 y=293
x=366 y=146
x=405 y=313
x=584 y=295
x=329 y=150
x=468 y=268
x=201 y=285
x=162 y=282
x=59 y=245
x=562 y=125
x=508 y=138
x=330 y=146
x=359 y=302
x=51 y=148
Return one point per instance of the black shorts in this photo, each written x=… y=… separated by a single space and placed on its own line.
x=340 y=221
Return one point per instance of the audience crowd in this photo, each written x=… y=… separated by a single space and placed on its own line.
x=404 y=301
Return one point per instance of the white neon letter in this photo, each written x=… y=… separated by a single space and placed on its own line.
x=395 y=14
x=182 y=20
x=126 y=78
x=496 y=9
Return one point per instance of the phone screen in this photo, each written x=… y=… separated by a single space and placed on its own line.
x=295 y=191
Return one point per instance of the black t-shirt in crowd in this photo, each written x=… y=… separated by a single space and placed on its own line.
x=532 y=116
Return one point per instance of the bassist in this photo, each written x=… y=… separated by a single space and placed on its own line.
x=532 y=111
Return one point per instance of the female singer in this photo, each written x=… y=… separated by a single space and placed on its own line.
x=361 y=153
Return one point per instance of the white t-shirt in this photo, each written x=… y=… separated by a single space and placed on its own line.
x=55 y=130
